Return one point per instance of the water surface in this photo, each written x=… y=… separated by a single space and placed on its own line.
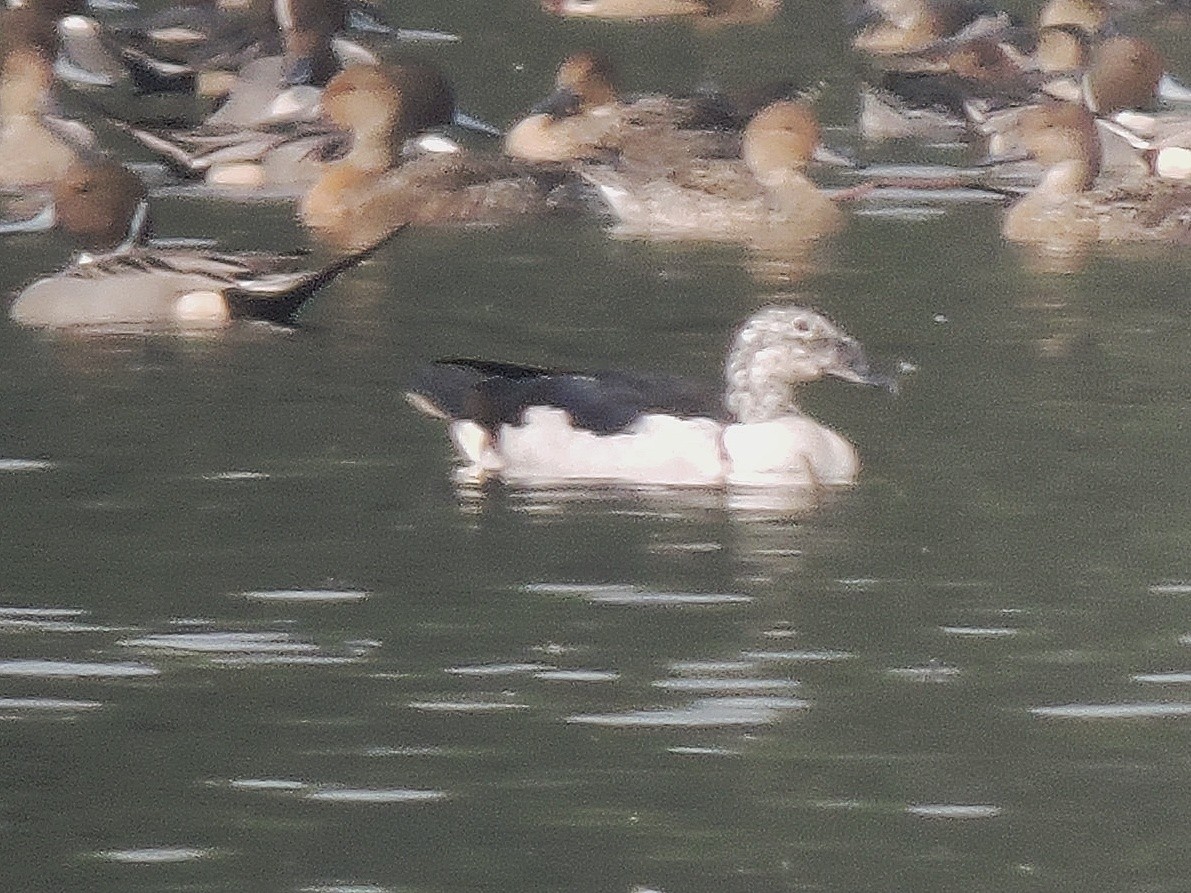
x=253 y=638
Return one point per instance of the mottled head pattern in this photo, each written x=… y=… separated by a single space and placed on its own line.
x=780 y=138
x=780 y=347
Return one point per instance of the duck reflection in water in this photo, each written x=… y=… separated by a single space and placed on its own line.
x=537 y=426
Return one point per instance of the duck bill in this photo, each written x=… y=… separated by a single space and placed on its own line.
x=474 y=124
x=850 y=363
x=562 y=103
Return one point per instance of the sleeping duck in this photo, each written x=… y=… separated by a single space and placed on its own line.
x=535 y=425
x=126 y=281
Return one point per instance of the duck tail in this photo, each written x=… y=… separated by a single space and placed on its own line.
x=279 y=302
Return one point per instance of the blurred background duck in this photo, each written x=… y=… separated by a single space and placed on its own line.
x=890 y=28
x=530 y=424
x=702 y=12
x=1064 y=209
x=125 y=281
x=36 y=146
x=396 y=172
x=586 y=118
x=766 y=193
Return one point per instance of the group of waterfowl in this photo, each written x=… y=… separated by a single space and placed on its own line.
x=311 y=116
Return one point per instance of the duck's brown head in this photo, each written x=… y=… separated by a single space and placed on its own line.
x=782 y=137
x=585 y=79
x=1062 y=133
x=403 y=99
x=96 y=201
x=1123 y=73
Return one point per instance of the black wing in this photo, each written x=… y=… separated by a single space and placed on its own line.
x=495 y=394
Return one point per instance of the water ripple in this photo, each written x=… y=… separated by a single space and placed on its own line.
x=46 y=669
x=50 y=620
x=155 y=855
x=23 y=465
x=466 y=706
x=1162 y=678
x=693 y=751
x=721 y=684
x=980 y=632
x=1170 y=589
x=45 y=705
x=510 y=669
x=954 y=810
x=1136 y=710
x=804 y=656
x=577 y=675
x=283 y=785
x=41 y=613
x=706 y=712
x=712 y=666
x=236 y=476
x=325 y=596
x=929 y=673
x=375 y=795
x=222 y=643
x=624 y=594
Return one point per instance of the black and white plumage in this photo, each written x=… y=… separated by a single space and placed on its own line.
x=532 y=424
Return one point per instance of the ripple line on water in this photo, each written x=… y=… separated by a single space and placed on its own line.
x=1134 y=710
x=307 y=596
x=375 y=795
x=47 y=669
x=155 y=855
x=627 y=595
x=954 y=810
x=704 y=713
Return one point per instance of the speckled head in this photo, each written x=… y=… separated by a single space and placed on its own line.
x=783 y=346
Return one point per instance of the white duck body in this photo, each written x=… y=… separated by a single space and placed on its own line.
x=537 y=426
x=658 y=450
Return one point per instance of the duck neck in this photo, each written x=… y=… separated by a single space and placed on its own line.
x=371 y=150
x=754 y=393
x=1066 y=179
x=792 y=192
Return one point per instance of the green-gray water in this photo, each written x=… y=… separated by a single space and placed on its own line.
x=253 y=639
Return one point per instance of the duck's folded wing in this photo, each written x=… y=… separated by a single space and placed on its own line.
x=494 y=394
x=446 y=388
